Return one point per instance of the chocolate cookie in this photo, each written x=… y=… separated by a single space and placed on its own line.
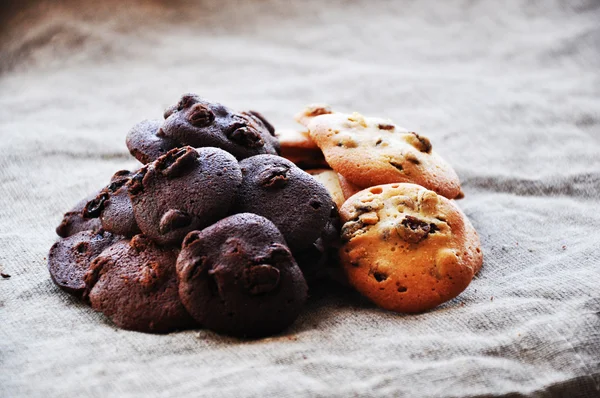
x=113 y=206
x=73 y=221
x=371 y=151
x=238 y=277
x=407 y=248
x=295 y=202
x=184 y=190
x=70 y=258
x=134 y=283
x=146 y=142
x=199 y=123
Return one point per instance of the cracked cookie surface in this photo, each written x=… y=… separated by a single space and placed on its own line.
x=406 y=248
x=370 y=151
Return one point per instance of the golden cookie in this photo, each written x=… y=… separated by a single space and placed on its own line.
x=406 y=248
x=297 y=147
x=329 y=179
x=370 y=151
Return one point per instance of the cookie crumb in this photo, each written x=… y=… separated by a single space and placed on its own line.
x=492 y=298
x=5 y=276
x=564 y=247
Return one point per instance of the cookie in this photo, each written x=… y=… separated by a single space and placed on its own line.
x=70 y=258
x=73 y=221
x=295 y=202
x=371 y=151
x=134 y=283
x=406 y=248
x=238 y=277
x=113 y=206
x=146 y=142
x=297 y=147
x=331 y=182
x=184 y=190
x=309 y=112
x=200 y=123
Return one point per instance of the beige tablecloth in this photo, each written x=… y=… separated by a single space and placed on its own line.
x=508 y=92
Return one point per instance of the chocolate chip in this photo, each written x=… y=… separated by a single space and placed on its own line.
x=413 y=230
x=174 y=219
x=200 y=116
x=136 y=184
x=245 y=136
x=423 y=144
x=274 y=177
x=186 y=101
x=379 y=276
x=94 y=207
x=386 y=126
x=397 y=165
x=261 y=278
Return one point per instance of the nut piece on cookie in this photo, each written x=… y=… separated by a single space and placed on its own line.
x=184 y=190
x=407 y=248
x=199 y=123
x=238 y=277
x=370 y=151
x=295 y=202
x=134 y=283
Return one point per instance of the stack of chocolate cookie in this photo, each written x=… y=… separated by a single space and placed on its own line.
x=405 y=244
x=217 y=230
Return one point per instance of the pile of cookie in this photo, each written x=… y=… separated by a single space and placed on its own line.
x=227 y=223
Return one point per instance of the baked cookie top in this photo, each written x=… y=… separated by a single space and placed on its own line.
x=134 y=283
x=183 y=190
x=407 y=248
x=238 y=277
x=370 y=151
x=199 y=123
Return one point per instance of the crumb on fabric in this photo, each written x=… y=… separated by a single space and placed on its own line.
x=5 y=276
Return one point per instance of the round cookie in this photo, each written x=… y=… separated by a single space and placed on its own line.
x=134 y=283
x=406 y=248
x=295 y=202
x=113 y=206
x=70 y=258
x=73 y=221
x=238 y=277
x=371 y=151
x=297 y=147
x=146 y=142
x=200 y=123
x=331 y=182
x=184 y=190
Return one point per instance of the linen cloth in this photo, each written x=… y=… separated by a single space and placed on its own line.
x=508 y=92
